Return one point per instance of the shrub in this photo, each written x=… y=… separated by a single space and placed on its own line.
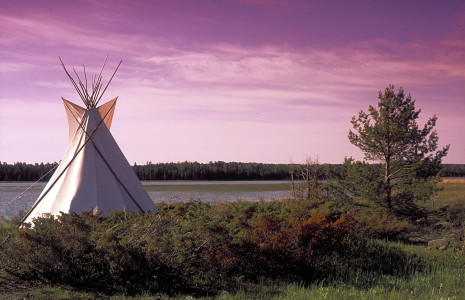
x=193 y=247
x=379 y=225
x=455 y=212
x=57 y=250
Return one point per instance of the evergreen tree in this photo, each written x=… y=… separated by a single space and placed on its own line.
x=391 y=136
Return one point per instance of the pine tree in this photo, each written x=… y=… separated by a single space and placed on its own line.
x=391 y=136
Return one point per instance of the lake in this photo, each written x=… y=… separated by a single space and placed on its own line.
x=159 y=191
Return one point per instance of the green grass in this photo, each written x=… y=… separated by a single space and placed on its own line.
x=444 y=280
x=221 y=187
x=453 y=191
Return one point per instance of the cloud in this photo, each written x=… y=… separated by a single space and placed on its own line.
x=41 y=32
x=230 y=90
x=271 y=83
x=15 y=67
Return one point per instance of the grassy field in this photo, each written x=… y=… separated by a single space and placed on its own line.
x=453 y=188
x=453 y=191
x=221 y=187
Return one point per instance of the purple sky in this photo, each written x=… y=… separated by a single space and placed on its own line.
x=262 y=81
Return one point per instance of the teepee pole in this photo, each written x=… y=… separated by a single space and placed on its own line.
x=85 y=75
x=98 y=85
x=84 y=90
x=74 y=83
x=85 y=78
x=94 y=98
x=108 y=82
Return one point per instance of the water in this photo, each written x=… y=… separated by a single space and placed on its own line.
x=9 y=192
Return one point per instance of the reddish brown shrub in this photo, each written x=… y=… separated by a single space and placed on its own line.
x=318 y=235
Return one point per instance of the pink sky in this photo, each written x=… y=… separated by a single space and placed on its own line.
x=261 y=81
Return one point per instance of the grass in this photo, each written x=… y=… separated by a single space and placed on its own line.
x=453 y=191
x=446 y=280
x=221 y=187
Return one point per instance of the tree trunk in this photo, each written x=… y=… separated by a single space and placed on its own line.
x=387 y=182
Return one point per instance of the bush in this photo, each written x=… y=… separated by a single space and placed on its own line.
x=193 y=247
x=56 y=250
x=379 y=225
x=455 y=213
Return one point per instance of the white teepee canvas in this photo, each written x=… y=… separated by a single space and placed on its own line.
x=94 y=175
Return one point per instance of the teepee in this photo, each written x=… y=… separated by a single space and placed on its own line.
x=94 y=175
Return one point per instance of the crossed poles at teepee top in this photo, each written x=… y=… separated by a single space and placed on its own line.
x=88 y=138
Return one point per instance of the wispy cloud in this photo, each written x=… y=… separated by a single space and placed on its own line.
x=219 y=88
x=14 y=67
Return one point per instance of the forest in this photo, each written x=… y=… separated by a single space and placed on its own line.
x=219 y=170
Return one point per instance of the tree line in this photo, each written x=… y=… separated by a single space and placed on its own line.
x=21 y=171
x=219 y=170
x=211 y=171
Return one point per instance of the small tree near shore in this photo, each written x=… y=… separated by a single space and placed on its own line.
x=312 y=174
x=391 y=136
